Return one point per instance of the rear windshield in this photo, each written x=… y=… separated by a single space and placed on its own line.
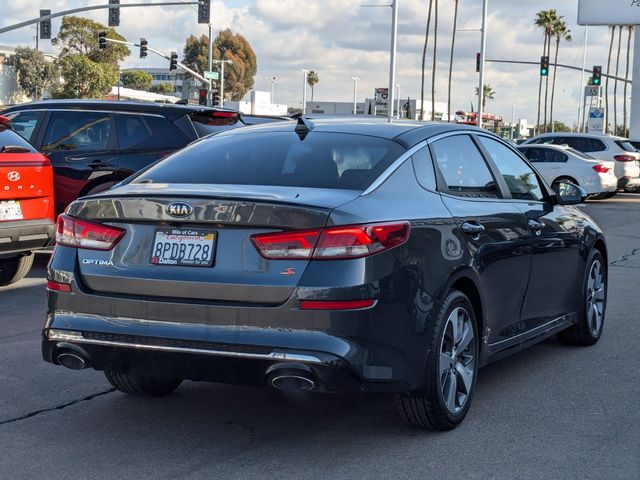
x=625 y=145
x=11 y=142
x=207 y=123
x=321 y=160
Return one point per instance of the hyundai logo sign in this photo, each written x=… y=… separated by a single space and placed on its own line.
x=13 y=176
x=179 y=209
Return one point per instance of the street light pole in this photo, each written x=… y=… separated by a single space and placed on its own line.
x=581 y=91
x=483 y=42
x=304 y=90
x=221 y=62
x=210 y=98
x=392 y=60
x=273 y=81
x=398 y=99
x=355 y=94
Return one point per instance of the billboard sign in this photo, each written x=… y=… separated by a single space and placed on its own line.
x=381 y=96
x=609 y=12
x=596 y=121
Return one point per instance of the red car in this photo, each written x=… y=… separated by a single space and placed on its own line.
x=27 y=216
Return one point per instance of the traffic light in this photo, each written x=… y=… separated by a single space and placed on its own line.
x=204 y=11
x=596 y=78
x=202 y=96
x=45 y=27
x=114 y=14
x=544 y=66
x=478 y=62
x=215 y=98
x=143 y=47
x=102 y=40
x=173 y=63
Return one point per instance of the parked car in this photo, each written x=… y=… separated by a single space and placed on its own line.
x=94 y=144
x=601 y=147
x=557 y=163
x=329 y=256
x=27 y=221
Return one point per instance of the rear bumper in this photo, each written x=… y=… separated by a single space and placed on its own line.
x=630 y=183
x=25 y=235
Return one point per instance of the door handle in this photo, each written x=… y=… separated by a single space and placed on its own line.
x=535 y=225
x=473 y=228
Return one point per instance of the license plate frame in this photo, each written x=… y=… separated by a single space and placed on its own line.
x=8 y=206
x=189 y=257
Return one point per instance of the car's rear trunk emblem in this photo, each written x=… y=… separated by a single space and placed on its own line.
x=179 y=209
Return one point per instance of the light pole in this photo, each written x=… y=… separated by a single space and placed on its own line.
x=513 y=118
x=273 y=81
x=304 y=90
x=483 y=42
x=221 y=62
x=355 y=94
x=581 y=89
x=392 y=62
x=398 y=99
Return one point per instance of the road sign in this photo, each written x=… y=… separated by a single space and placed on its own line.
x=211 y=75
x=592 y=91
x=596 y=120
x=381 y=96
x=608 y=12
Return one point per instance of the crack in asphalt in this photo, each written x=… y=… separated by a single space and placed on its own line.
x=624 y=258
x=58 y=407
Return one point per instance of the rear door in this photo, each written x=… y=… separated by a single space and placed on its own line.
x=27 y=123
x=493 y=228
x=83 y=152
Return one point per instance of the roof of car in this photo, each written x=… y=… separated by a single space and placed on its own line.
x=577 y=134
x=407 y=132
x=169 y=110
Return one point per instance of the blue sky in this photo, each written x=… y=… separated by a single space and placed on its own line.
x=340 y=39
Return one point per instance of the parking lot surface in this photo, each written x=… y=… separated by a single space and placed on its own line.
x=552 y=411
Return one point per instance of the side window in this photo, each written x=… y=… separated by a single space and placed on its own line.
x=464 y=170
x=423 y=168
x=148 y=132
x=521 y=180
x=556 y=156
x=24 y=123
x=533 y=154
x=77 y=131
x=596 y=145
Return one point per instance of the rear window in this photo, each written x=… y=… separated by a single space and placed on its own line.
x=11 y=142
x=636 y=145
x=321 y=160
x=148 y=132
x=207 y=123
x=625 y=145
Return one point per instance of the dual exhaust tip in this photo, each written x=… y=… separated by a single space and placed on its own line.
x=72 y=357
x=291 y=377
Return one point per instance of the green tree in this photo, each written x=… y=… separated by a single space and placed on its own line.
x=560 y=127
x=424 y=59
x=453 y=46
x=615 y=82
x=79 y=35
x=487 y=94
x=164 y=88
x=312 y=80
x=561 y=32
x=626 y=77
x=196 y=53
x=545 y=20
x=433 y=68
x=84 y=78
x=35 y=73
x=136 y=79
x=606 y=81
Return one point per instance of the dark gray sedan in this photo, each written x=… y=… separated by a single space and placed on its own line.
x=326 y=256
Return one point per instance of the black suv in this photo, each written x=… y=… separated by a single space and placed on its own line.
x=94 y=144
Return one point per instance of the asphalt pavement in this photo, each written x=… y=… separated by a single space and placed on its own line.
x=552 y=412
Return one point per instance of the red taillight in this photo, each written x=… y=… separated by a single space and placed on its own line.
x=58 y=287
x=353 y=241
x=73 y=232
x=601 y=168
x=4 y=121
x=336 y=305
x=625 y=158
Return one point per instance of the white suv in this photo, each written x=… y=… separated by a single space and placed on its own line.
x=601 y=147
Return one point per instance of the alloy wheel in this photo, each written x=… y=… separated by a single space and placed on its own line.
x=595 y=298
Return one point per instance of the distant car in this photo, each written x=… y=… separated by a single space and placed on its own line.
x=601 y=147
x=557 y=163
x=94 y=144
x=26 y=204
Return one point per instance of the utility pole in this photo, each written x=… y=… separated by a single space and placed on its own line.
x=273 y=81
x=392 y=59
x=581 y=91
x=210 y=96
x=398 y=99
x=304 y=90
x=483 y=42
x=221 y=62
x=355 y=94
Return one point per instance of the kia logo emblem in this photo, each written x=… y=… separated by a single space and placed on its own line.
x=13 y=176
x=179 y=209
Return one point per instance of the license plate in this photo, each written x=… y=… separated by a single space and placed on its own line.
x=10 y=211
x=183 y=247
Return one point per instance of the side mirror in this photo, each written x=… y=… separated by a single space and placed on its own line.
x=569 y=193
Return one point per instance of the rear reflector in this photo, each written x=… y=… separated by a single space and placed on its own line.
x=58 y=287
x=625 y=158
x=352 y=241
x=601 y=168
x=73 y=232
x=336 y=305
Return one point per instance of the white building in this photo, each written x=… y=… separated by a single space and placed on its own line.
x=258 y=103
x=335 y=108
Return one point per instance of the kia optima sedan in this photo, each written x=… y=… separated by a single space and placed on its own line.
x=326 y=256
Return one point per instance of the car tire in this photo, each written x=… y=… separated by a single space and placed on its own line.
x=141 y=386
x=451 y=369
x=609 y=195
x=15 y=268
x=588 y=329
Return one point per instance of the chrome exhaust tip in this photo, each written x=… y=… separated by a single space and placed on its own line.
x=291 y=377
x=72 y=359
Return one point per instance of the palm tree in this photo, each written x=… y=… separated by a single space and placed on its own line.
x=433 y=70
x=615 y=84
x=453 y=46
x=424 y=57
x=626 y=77
x=312 y=80
x=606 y=82
x=561 y=32
x=545 y=20
x=487 y=94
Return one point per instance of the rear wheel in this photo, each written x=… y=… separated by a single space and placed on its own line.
x=609 y=194
x=141 y=386
x=14 y=269
x=588 y=329
x=452 y=365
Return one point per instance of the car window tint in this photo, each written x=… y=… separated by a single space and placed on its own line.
x=464 y=170
x=148 y=132
x=77 y=131
x=10 y=141
x=320 y=160
x=423 y=167
x=636 y=145
x=24 y=123
x=580 y=154
x=520 y=178
x=595 y=145
x=533 y=154
x=625 y=145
